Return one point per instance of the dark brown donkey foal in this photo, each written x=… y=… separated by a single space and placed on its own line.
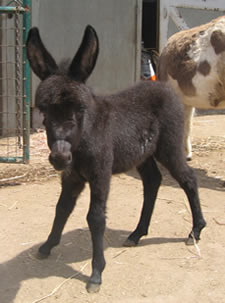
x=92 y=137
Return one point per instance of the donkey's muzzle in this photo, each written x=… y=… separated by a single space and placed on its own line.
x=60 y=156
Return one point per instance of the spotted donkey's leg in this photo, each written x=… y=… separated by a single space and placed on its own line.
x=151 y=179
x=189 y=113
x=71 y=189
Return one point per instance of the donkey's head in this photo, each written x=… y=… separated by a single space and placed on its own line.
x=62 y=96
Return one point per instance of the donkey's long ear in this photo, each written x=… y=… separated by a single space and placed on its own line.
x=84 y=61
x=42 y=63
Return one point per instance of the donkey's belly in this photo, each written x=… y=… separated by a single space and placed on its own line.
x=128 y=157
x=209 y=93
x=202 y=102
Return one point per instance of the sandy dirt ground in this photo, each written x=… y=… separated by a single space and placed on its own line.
x=160 y=269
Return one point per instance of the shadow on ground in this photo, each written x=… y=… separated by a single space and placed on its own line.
x=204 y=180
x=26 y=266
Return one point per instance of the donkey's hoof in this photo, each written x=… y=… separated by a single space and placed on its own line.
x=129 y=243
x=93 y=287
x=41 y=256
x=189 y=241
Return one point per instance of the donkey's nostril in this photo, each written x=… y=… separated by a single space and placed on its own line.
x=60 y=160
x=60 y=156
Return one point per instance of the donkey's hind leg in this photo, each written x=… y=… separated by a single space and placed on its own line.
x=186 y=178
x=151 y=179
x=69 y=194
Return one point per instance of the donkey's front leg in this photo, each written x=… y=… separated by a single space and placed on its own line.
x=97 y=221
x=69 y=194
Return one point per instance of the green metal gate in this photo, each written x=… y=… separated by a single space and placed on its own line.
x=14 y=82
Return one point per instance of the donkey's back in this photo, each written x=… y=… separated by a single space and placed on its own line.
x=137 y=122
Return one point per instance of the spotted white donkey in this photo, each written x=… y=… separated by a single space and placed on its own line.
x=193 y=62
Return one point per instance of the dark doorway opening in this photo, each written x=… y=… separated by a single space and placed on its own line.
x=149 y=24
x=149 y=47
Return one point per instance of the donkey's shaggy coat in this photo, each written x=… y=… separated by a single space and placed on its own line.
x=92 y=137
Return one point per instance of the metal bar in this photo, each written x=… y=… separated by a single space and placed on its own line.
x=177 y=19
x=8 y=95
x=166 y=6
x=12 y=9
x=11 y=159
x=26 y=86
x=9 y=45
x=7 y=28
x=18 y=72
x=7 y=62
x=1 y=76
x=217 y=5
